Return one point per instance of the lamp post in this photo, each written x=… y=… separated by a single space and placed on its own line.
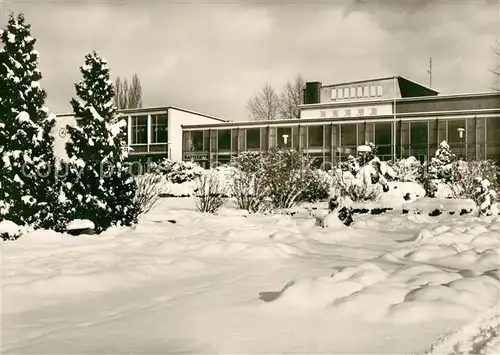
x=461 y=136
x=285 y=139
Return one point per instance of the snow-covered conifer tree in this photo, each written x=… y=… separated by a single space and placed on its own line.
x=28 y=184
x=100 y=187
x=441 y=165
x=483 y=196
x=438 y=169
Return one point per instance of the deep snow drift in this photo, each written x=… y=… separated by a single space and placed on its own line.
x=235 y=283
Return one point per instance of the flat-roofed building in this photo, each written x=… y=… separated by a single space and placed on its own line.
x=400 y=116
x=152 y=132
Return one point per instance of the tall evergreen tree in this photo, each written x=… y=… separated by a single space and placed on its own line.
x=28 y=192
x=100 y=187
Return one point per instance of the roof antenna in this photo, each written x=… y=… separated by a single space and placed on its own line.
x=430 y=72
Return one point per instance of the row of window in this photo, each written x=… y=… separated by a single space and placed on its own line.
x=311 y=136
x=139 y=129
x=416 y=133
x=348 y=112
x=357 y=92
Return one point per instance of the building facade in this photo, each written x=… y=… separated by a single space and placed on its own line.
x=152 y=133
x=403 y=118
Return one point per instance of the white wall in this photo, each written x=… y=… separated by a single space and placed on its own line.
x=61 y=136
x=176 y=118
x=382 y=109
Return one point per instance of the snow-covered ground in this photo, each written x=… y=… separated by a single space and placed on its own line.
x=185 y=282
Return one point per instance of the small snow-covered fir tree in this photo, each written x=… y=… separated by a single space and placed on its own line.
x=484 y=196
x=100 y=187
x=438 y=169
x=28 y=185
x=441 y=165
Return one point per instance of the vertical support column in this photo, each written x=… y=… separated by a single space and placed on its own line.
x=263 y=139
x=475 y=138
x=399 y=134
x=129 y=131
x=394 y=124
x=209 y=148
x=300 y=144
x=323 y=150
x=332 y=142
x=241 y=140
x=148 y=127
x=339 y=140
x=483 y=138
x=238 y=134
x=466 y=139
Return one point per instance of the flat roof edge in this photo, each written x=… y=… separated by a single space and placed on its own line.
x=153 y=108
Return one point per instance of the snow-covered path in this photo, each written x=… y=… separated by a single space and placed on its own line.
x=199 y=315
x=203 y=286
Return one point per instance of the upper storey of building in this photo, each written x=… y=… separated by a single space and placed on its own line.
x=365 y=90
x=388 y=96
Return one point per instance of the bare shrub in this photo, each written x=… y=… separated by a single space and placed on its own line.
x=209 y=193
x=249 y=191
x=288 y=174
x=465 y=174
x=248 y=182
x=150 y=187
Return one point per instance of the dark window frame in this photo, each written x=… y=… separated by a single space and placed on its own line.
x=139 y=130
x=159 y=129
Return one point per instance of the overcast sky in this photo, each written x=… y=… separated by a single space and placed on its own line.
x=212 y=56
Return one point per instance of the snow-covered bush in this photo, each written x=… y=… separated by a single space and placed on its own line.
x=319 y=188
x=338 y=215
x=283 y=176
x=150 y=188
x=288 y=174
x=178 y=172
x=438 y=169
x=80 y=226
x=466 y=172
x=441 y=165
x=99 y=185
x=357 y=190
x=483 y=196
x=367 y=152
x=248 y=182
x=350 y=165
x=365 y=177
x=29 y=187
x=9 y=230
x=407 y=170
x=374 y=172
x=210 y=192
